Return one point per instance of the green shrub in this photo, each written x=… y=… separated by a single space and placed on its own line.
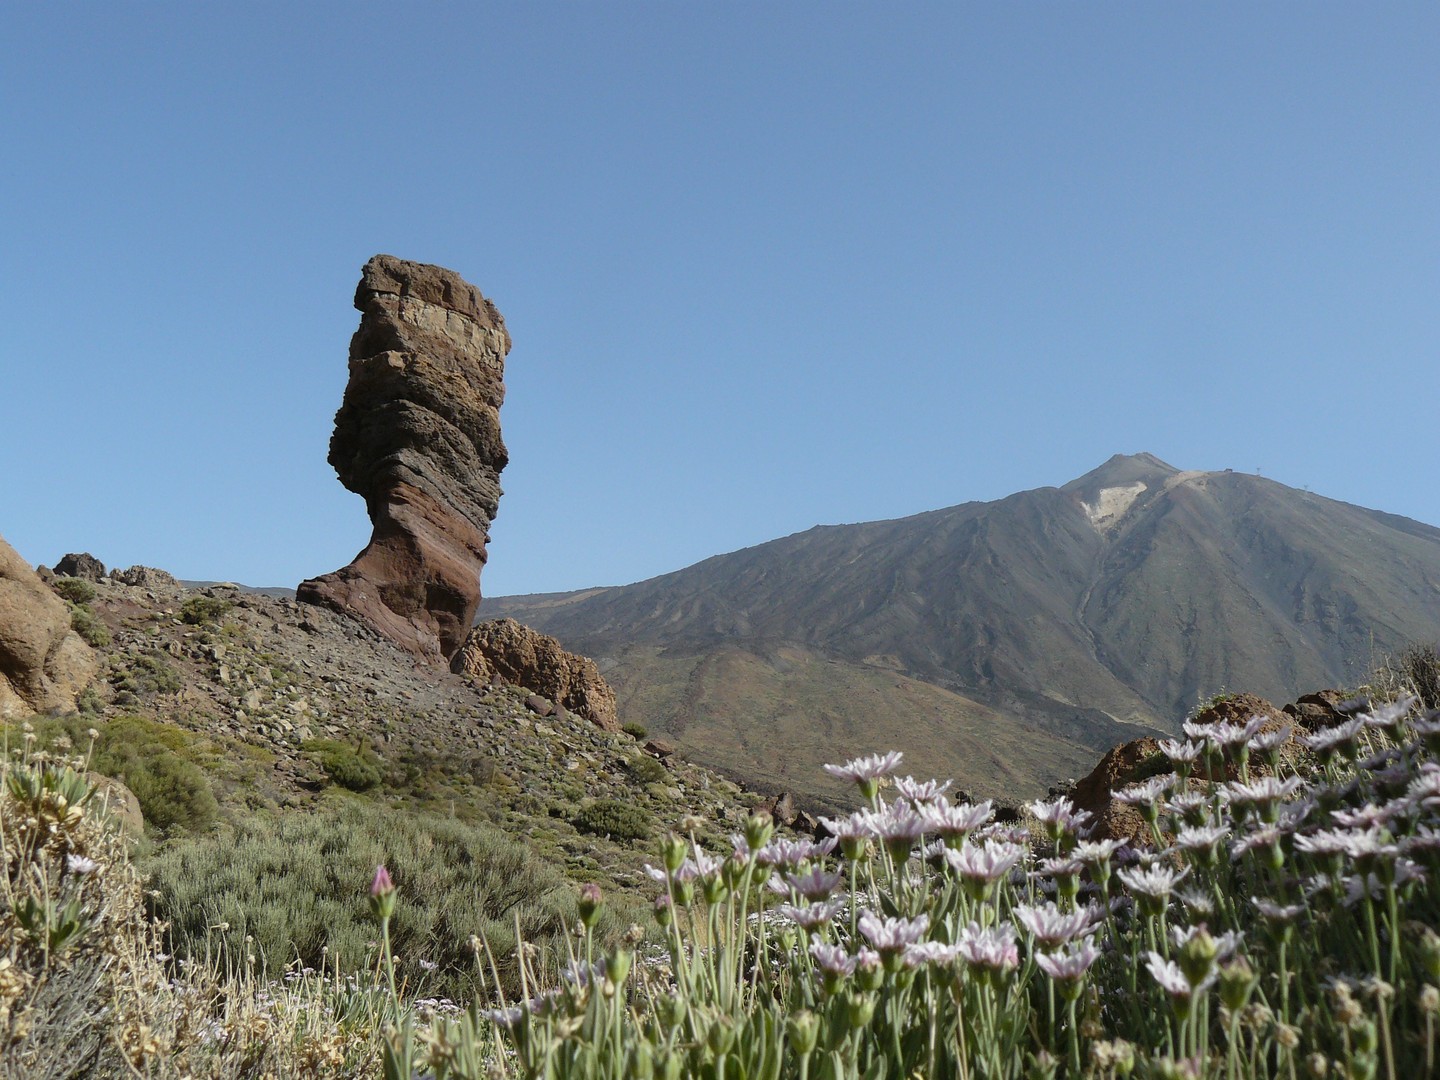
x=156 y=762
x=298 y=884
x=355 y=768
x=646 y=769
x=87 y=624
x=200 y=610
x=615 y=818
x=634 y=730
x=76 y=590
x=147 y=674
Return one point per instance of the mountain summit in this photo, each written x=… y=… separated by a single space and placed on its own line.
x=1016 y=636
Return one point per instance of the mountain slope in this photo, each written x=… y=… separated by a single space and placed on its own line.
x=1072 y=612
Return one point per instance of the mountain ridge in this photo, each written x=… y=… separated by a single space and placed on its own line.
x=1078 y=612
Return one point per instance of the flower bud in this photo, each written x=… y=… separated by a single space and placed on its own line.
x=1429 y=999
x=382 y=894
x=672 y=1066
x=672 y=851
x=721 y=1036
x=758 y=829
x=589 y=904
x=1197 y=956
x=804 y=1029
x=860 y=1009
x=1237 y=982
x=1430 y=953
x=618 y=966
x=642 y=1062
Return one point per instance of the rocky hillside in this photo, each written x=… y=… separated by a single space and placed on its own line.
x=285 y=706
x=1029 y=632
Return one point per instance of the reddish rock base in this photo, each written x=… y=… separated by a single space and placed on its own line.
x=416 y=582
x=524 y=657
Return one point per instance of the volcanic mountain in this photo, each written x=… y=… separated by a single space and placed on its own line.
x=1006 y=642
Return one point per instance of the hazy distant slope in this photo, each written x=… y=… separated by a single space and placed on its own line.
x=1117 y=598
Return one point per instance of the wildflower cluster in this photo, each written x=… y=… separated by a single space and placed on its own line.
x=1274 y=919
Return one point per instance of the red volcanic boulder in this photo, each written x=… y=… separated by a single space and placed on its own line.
x=1119 y=768
x=43 y=663
x=418 y=436
x=528 y=658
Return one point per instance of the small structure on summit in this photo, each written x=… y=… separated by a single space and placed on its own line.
x=418 y=437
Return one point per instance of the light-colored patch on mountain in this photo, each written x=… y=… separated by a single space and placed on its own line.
x=1185 y=477
x=1110 y=505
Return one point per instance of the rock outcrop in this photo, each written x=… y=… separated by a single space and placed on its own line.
x=418 y=436
x=43 y=663
x=147 y=577
x=524 y=657
x=81 y=565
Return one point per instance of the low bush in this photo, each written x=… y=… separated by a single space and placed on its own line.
x=614 y=818
x=87 y=624
x=145 y=675
x=1420 y=667
x=165 y=765
x=354 y=768
x=154 y=761
x=203 y=610
x=296 y=885
x=634 y=730
x=76 y=590
x=646 y=769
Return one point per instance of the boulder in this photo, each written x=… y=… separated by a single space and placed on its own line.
x=418 y=437
x=83 y=565
x=43 y=663
x=119 y=803
x=529 y=659
x=146 y=577
x=1318 y=710
x=1095 y=792
x=781 y=808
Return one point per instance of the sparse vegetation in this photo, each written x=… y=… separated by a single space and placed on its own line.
x=646 y=769
x=634 y=730
x=205 y=610
x=615 y=818
x=74 y=589
x=145 y=675
x=88 y=625
x=293 y=885
x=352 y=767
x=1420 y=665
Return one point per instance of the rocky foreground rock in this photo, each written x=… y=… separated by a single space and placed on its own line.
x=524 y=657
x=418 y=437
x=43 y=663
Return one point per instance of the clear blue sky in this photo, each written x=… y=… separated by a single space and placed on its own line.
x=765 y=265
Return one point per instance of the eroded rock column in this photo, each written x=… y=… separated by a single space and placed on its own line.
x=418 y=437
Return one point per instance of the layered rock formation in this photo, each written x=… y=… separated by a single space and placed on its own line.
x=523 y=657
x=418 y=436
x=43 y=663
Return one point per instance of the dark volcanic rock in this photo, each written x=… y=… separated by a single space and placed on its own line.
x=84 y=565
x=418 y=436
x=525 y=658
